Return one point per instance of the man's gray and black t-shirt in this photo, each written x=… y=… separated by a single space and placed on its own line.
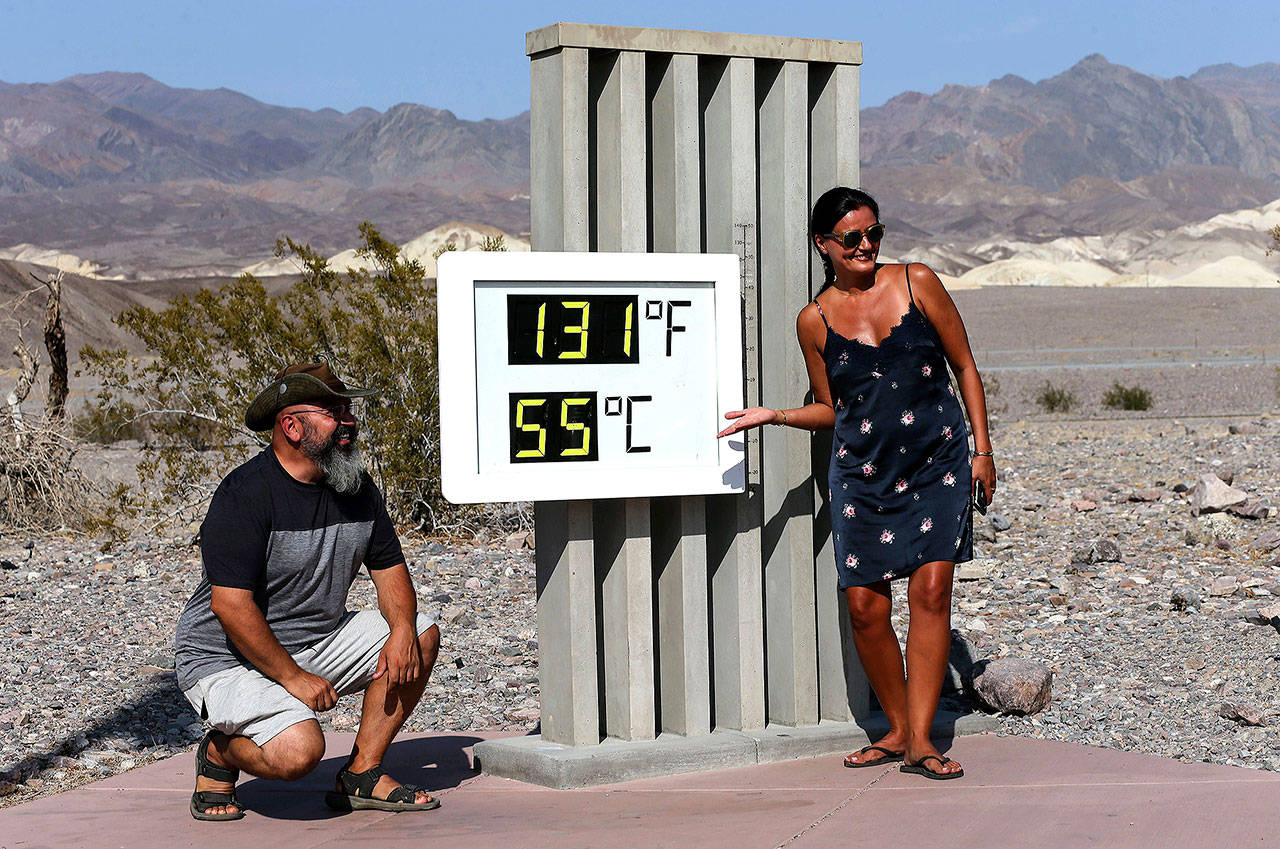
x=298 y=546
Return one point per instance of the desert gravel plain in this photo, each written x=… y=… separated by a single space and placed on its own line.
x=1157 y=651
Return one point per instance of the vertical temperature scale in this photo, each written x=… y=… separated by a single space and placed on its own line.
x=588 y=375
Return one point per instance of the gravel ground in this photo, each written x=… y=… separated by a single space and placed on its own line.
x=1147 y=651
x=86 y=682
x=86 y=689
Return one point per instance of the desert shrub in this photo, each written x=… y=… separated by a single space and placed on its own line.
x=40 y=487
x=1126 y=398
x=1055 y=399
x=210 y=352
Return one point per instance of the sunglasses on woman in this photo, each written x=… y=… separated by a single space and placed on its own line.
x=853 y=238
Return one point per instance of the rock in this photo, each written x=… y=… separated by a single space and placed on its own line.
x=960 y=664
x=161 y=659
x=517 y=541
x=473 y=583
x=1241 y=714
x=1226 y=474
x=984 y=531
x=1224 y=586
x=1251 y=509
x=1180 y=487
x=482 y=537
x=1145 y=495
x=1104 y=550
x=1084 y=505
x=999 y=521
x=1245 y=428
x=1012 y=685
x=976 y=570
x=1269 y=615
x=1266 y=541
x=1212 y=495
x=7 y=787
x=8 y=565
x=1185 y=598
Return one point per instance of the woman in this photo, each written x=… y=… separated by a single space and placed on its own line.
x=877 y=341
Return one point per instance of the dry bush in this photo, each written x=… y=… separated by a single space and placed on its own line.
x=210 y=352
x=40 y=488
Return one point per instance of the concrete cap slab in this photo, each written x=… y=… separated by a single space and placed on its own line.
x=695 y=42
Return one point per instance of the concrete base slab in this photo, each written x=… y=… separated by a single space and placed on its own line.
x=533 y=760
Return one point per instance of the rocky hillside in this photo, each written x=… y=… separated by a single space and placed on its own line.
x=1093 y=150
x=148 y=181
x=152 y=181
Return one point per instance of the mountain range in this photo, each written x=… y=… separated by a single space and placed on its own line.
x=149 y=181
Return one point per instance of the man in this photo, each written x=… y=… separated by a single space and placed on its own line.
x=265 y=641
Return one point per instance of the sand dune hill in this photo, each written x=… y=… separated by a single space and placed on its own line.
x=1038 y=272
x=465 y=237
x=58 y=260
x=1262 y=218
x=1232 y=271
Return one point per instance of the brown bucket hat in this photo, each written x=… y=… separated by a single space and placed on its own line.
x=298 y=384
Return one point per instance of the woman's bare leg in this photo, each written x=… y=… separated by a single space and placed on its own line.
x=881 y=656
x=928 y=650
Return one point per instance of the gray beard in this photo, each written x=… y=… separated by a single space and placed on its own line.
x=343 y=469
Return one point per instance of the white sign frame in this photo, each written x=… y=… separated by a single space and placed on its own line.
x=462 y=478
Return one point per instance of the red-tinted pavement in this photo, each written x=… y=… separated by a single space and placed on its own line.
x=1016 y=793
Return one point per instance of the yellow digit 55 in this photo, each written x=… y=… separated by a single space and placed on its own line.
x=585 y=448
x=580 y=328
x=531 y=427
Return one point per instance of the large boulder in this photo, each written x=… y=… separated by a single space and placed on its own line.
x=1012 y=685
x=1213 y=495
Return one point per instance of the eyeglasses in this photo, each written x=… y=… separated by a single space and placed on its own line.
x=335 y=413
x=853 y=238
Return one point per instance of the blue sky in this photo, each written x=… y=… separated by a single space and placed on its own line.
x=469 y=57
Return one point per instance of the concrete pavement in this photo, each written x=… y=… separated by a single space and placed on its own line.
x=1015 y=793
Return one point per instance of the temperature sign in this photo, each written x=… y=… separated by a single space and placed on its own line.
x=581 y=375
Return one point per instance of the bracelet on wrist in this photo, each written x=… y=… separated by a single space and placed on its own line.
x=783 y=413
x=984 y=454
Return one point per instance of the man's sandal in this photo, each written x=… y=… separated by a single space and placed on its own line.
x=918 y=768
x=357 y=794
x=203 y=800
x=890 y=757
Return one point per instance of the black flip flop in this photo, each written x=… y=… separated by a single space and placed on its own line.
x=203 y=800
x=889 y=758
x=918 y=768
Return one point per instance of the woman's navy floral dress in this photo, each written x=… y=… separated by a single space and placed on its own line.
x=900 y=470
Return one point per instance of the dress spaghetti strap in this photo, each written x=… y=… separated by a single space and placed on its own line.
x=906 y=270
x=821 y=313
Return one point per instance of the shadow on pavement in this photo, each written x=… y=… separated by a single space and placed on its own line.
x=433 y=763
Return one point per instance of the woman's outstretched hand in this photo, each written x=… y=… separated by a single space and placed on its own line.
x=751 y=417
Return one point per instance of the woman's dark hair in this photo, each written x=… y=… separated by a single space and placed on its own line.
x=831 y=207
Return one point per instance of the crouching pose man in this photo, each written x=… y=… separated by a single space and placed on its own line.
x=266 y=642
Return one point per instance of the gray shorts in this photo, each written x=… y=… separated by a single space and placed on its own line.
x=242 y=700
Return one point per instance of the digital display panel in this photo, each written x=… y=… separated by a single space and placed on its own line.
x=579 y=329
x=553 y=426
x=581 y=375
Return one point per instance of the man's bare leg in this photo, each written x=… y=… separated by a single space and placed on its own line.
x=383 y=714
x=289 y=755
